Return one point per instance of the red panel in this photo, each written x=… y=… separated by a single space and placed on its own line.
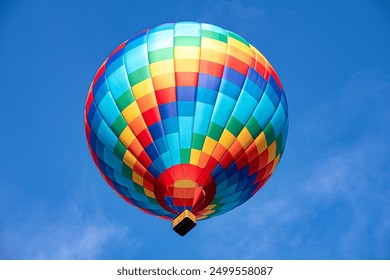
x=166 y=95
x=237 y=65
x=211 y=68
x=186 y=79
x=227 y=160
x=151 y=116
x=121 y=46
x=275 y=76
x=144 y=159
x=89 y=101
x=99 y=72
x=145 y=138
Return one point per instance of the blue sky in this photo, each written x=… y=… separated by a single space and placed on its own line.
x=329 y=198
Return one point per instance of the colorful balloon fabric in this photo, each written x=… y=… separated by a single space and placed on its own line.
x=186 y=116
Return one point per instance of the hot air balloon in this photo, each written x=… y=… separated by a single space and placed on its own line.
x=186 y=121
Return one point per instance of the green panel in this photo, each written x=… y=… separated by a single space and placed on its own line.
x=119 y=150
x=269 y=134
x=187 y=41
x=125 y=100
x=239 y=38
x=185 y=155
x=119 y=125
x=215 y=131
x=139 y=75
x=279 y=144
x=139 y=189
x=152 y=200
x=214 y=35
x=253 y=127
x=159 y=55
x=234 y=126
x=197 y=141
x=127 y=172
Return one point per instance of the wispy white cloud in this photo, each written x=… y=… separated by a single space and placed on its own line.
x=74 y=231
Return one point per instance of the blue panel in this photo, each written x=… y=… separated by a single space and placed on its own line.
x=244 y=107
x=203 y=114
x=136 y=58
x=168 y=110
x=118 y=82
x=187 y=29
x=273 y=97
x=100 y=89
x=112 y=160
x=206 y=96
x=264 y=111
x=185 y=108
x=278 y=120
x=234 y=77
x=160 y=39
x=230 y=89
x=91 y=115
x=275 y=86
x=114 y=61
x=206 y=26
x=170 y=125
x=96 y=121
x=106 y=135
x=152 y=151
x=108 y=109
x=185 y=93
x=223 y=109
x=185 y=128
x=156 y=130
x=209 y=81
x=136 y=40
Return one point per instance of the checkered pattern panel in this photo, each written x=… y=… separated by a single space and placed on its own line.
x=186 y=116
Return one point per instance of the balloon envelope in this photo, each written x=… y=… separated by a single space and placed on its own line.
x=186 y=116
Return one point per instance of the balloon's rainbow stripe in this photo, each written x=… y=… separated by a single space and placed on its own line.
x=186 y=116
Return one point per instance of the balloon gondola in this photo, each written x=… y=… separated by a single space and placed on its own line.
x=186 y=121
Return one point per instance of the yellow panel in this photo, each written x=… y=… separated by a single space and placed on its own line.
x=214 y=56
x=187 y=65
x=129 y=159
x=164 y=81
x=276 y=161
x=127 y=136
x=142 y=88
x=227 y=139
x=205 y=213
x=239 y=45
x=259 y=56
x=213 y=44
x=201 y=218
x=185 y=183
x=162 y=67
x=194 y=157
x=244 y=57
x=186 y=52
x=271 y=152
x=131 y=112
x=149 y=193
x=138 y=179
x=245 y=138
x=261 y=143
x=209 y=145
x=211 y=206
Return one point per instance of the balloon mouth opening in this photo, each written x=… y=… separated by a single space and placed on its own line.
x=190 y=190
